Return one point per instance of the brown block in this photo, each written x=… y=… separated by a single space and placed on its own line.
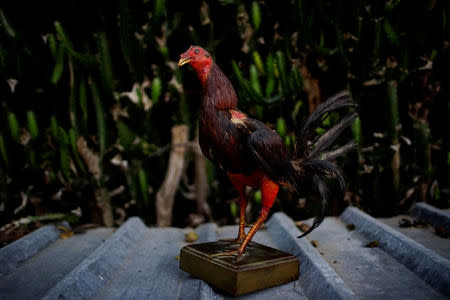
x=259 y=267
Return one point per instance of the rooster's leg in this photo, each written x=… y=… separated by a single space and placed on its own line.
x=242 y=207
x=269 y=191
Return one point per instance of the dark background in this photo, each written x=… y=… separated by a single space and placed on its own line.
x=73 y=60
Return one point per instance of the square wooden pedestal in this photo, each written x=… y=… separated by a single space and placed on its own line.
x=259 y=267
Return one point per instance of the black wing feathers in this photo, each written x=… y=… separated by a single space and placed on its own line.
x=270 y=152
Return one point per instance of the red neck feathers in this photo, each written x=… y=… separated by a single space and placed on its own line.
x=218 y=91
x=202 y=69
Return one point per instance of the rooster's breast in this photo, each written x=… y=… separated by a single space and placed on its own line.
x=224 y=143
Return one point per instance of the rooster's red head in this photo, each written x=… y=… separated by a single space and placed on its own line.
x=199 y=59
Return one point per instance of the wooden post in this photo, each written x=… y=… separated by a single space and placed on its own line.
x=201 y=182
x=166 y=193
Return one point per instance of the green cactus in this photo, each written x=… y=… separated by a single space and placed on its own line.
x=14 y=126
x=105 y=62
x=234 y=209
x=392 y=36
x=54 y=127
x=126 y=136
x=367 y=48
x=281 y=127
x=52 y=45
x=83 y=104
x=99 y=117
x=254 y=80
x=3 y=153
x=64 y=38
x=378 y=38
x=296 y=79
x=256 y=15
x=270 y=85
x=59 y=65
x=392 y=112
x=281 y=68
x=32 y=125
x=257 y=197
x=156 y=89
x=258 y=62
x=393 y=132
x=73 y=103
x=64 y=154
x=158 y=10
x=143 y=185
x=357 y=131
x=6 y=24
x=242 y=81
x=73 y=137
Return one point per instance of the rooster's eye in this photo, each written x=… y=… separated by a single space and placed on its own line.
x=196 y=51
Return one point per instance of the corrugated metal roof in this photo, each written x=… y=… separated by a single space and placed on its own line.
x=138 y=262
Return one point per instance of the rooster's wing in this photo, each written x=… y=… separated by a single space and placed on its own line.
x=270 y=153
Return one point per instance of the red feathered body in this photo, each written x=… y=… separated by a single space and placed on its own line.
x=251 y=153
x=227 y=136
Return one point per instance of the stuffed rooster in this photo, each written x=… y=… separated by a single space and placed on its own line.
x=254 y=155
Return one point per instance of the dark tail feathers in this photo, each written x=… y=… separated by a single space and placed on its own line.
x=316 y=163
x=338 y=101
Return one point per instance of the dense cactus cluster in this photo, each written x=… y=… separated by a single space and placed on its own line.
x=89 y=93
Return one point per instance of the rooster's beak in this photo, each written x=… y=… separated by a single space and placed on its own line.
x=184 y=61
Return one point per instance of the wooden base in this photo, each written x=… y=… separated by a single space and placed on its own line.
x=259 y=267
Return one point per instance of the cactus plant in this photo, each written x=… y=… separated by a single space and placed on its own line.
x=63 y=82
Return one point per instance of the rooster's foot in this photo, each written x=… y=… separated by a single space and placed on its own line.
x=237 y=240
x=236 y=254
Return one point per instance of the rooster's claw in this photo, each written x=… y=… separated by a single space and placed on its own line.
x=237 y=240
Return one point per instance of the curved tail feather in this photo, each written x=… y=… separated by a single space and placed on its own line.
x=321 y=170
x=316 y=163
x=338 y=101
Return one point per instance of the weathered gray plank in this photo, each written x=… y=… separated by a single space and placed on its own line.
x=355 y=263
x=12 y=255
x=425 y=236
x=428 y=265
x=152 y=271
x=431 y=215
x=317 y=278
x=137 y=262
x=36 y=276
x=92 y=274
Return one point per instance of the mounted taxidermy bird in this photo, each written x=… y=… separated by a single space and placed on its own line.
x=254 y=155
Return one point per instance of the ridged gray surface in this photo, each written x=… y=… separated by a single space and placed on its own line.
x=38 y=275
x=137 y=262
x=97 y=269
x=15 y=253
x=431 y=267
x=317 y=278
x=345 y=250
x=432 y=215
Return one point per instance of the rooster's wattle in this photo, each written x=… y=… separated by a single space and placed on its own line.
x=253 y=154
